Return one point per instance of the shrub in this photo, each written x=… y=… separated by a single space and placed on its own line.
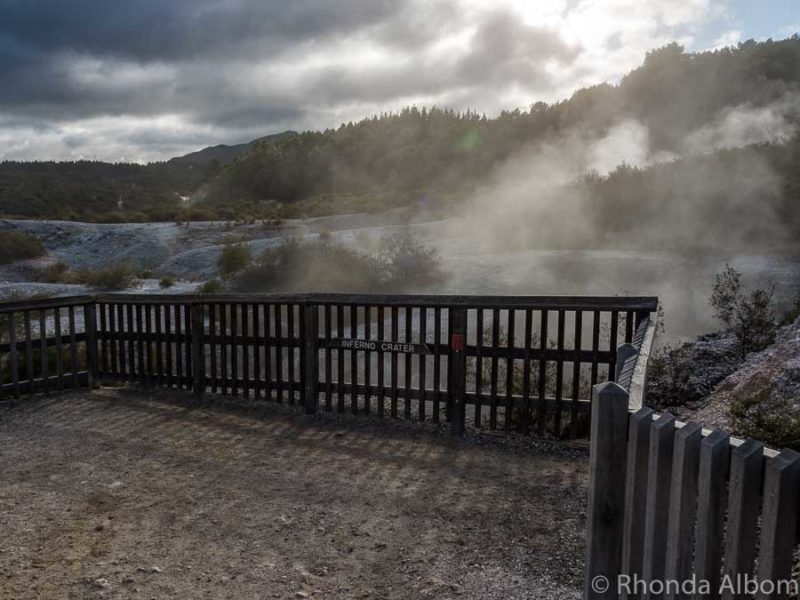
x=768 y=416
x=408 y=262
x=166 y=282
x=16 y=245
x=295 y=266
x=114 y=277
x=792 y=311
x=55 y=273
x=234 y=258
x=751 y=316
x=212 y=286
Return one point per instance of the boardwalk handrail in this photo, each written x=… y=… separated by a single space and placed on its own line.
x=503 y=362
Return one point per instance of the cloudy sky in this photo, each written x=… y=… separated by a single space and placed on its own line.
x=141 y=80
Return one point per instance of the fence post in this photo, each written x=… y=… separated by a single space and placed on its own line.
x=310 y=372
x=198 y=360
x=90 y=328
x=607 y=465
x=457 y=368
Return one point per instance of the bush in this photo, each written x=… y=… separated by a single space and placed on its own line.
x=295 y=266
x=212 y=286
x=234 y=258
x=792 y=312
x=751 y=316
x=55 y=273
x=16 y=245
x=408 y=261
x=166 y=282
x=115 y=277
x=767 y=416
x=322 y=265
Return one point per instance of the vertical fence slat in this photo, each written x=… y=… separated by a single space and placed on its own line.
x=291 y=340
x=407 y=363
x=268 y=345
x=494 y=374
x=367 y=360
x=212 y=344
x=683 y=505
x=340 y=360
x=176 y=309
x=659 y=478
x=246 y=384
x=744 y=499
x=525 y=417
x=542 y=411
x=509 y=404
x=381 y=364
x=457 y=363
x=257 y=337
x=595 y=345
x=168 y=367
x=638 y=462
x=354 y=361
x=437 y=362
x=43 y=355
x=28 y=348
x=478 y=366
x=576 y=375
x=59 y=347
x=234 y=349
x=393 y=359
x=90 y=328
x=198 y=363
x=148 y=348
x=73 y=347
x=779 y=521
x=14 y=353
x=714 y=457
x=140 y=371
x=559 y=372
x=606 y=488
x=329 y=360
x=310 y=337
x=423 y=360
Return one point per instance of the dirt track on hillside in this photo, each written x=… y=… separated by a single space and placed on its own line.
x=122 y=494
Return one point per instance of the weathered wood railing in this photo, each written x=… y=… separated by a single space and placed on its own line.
x=518 y=362
x=678 y=511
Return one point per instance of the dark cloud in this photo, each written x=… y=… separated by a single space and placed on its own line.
x=211 y=71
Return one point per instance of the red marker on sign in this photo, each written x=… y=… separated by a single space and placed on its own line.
x=457 y=342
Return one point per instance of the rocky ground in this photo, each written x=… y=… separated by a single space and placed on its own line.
x=116 y=494
x=710 y=376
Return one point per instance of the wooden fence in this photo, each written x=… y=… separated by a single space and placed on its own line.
x=678 y=511
x=522 y=362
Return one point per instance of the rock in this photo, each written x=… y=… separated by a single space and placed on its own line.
x=149 y=570
x=101 y=583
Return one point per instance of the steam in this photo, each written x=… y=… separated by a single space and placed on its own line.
x=665 y=234
x=536 y=199
x=745 y=125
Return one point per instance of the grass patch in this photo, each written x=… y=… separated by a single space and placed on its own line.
x=16 y=245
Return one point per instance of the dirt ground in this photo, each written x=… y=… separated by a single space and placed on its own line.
x=132 y=494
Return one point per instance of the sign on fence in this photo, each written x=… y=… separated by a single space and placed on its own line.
x=378 y=346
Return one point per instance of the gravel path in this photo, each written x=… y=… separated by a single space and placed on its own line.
x=126 y=494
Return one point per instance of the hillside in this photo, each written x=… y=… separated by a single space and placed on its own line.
x=722 y=109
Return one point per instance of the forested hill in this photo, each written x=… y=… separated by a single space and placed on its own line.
x=438 y=153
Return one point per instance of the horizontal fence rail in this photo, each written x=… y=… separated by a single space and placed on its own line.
x=524 y=363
